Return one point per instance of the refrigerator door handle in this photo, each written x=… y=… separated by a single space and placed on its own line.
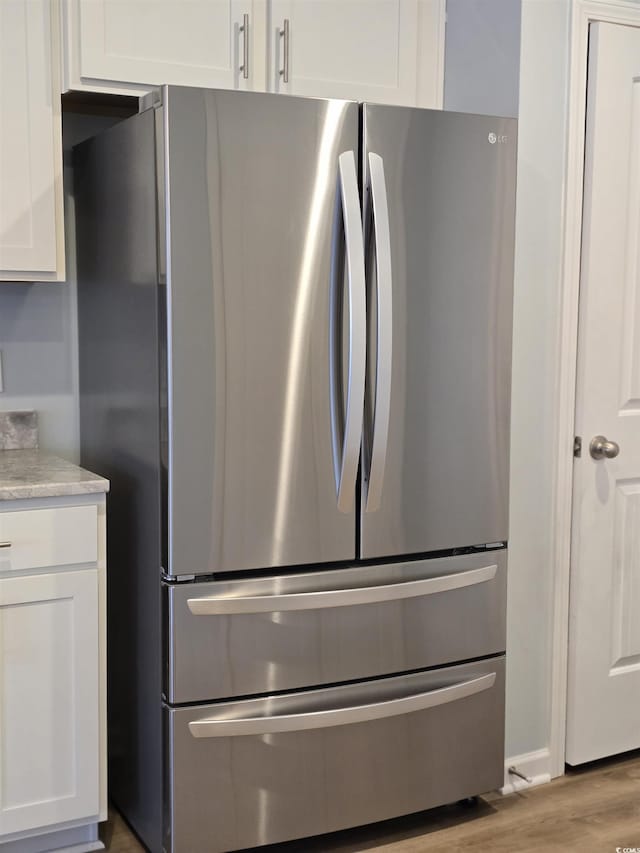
x=384 y=330
x=346 y=457
x=341 y=716
x=230 y=605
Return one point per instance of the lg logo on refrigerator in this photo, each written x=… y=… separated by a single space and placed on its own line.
x=493 y=138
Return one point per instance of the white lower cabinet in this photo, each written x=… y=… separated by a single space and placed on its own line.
x=49 y=699
x=53 y=775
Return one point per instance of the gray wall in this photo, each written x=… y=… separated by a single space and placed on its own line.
x=39 y=334
x=482 y=56
x=542 y=158
x=488 y=70
x=482 y=73
x=38 y=339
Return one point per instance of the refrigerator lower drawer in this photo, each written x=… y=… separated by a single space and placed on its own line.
x=264 y=770
x=246 y=637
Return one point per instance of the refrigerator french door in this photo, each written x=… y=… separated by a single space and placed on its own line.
x=294 y=324
x=269 y=330
x=257 y=203
x=439 y=206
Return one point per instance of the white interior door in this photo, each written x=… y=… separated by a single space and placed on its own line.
x=603 y=715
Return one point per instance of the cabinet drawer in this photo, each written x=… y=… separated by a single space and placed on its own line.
x=243 y=637
x=269 y=769
x=36 y=538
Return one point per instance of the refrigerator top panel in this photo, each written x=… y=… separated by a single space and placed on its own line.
x=440 y=272
x=255 y=231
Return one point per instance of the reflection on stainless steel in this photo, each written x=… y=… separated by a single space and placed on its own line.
x=321 y=196
x=263 y=806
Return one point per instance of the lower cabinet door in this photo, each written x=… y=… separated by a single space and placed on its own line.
x=264 y=770
x=48 y=699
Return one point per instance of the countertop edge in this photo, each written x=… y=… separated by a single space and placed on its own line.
x=30 y=473
x=54 y=490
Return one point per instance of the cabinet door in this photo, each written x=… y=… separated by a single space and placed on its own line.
x=389 y=51
x=189 y=43
x=49 y=748
x=31 y=206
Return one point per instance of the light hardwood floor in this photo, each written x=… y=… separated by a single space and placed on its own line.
x=592 y=810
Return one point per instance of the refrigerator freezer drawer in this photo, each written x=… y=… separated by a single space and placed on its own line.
x=264 y=770
x=246 y=637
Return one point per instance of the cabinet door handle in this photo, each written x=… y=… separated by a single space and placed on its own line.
x=5 y=544
x=244 y=29
x=284 y=32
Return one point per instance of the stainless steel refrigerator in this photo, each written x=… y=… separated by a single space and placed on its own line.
x=295 y=337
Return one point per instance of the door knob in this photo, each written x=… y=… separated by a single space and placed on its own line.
x=601 y=447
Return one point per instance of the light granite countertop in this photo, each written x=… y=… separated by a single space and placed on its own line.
x=35 y=474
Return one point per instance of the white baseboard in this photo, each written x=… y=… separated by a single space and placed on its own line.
x=536 y=765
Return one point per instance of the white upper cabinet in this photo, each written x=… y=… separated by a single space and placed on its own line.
x=31 y=201
x=388 y=51
x=182 y=42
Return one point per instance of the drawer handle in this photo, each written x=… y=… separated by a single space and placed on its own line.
x=5 y=544
x=213 y=605
x=340 y=716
